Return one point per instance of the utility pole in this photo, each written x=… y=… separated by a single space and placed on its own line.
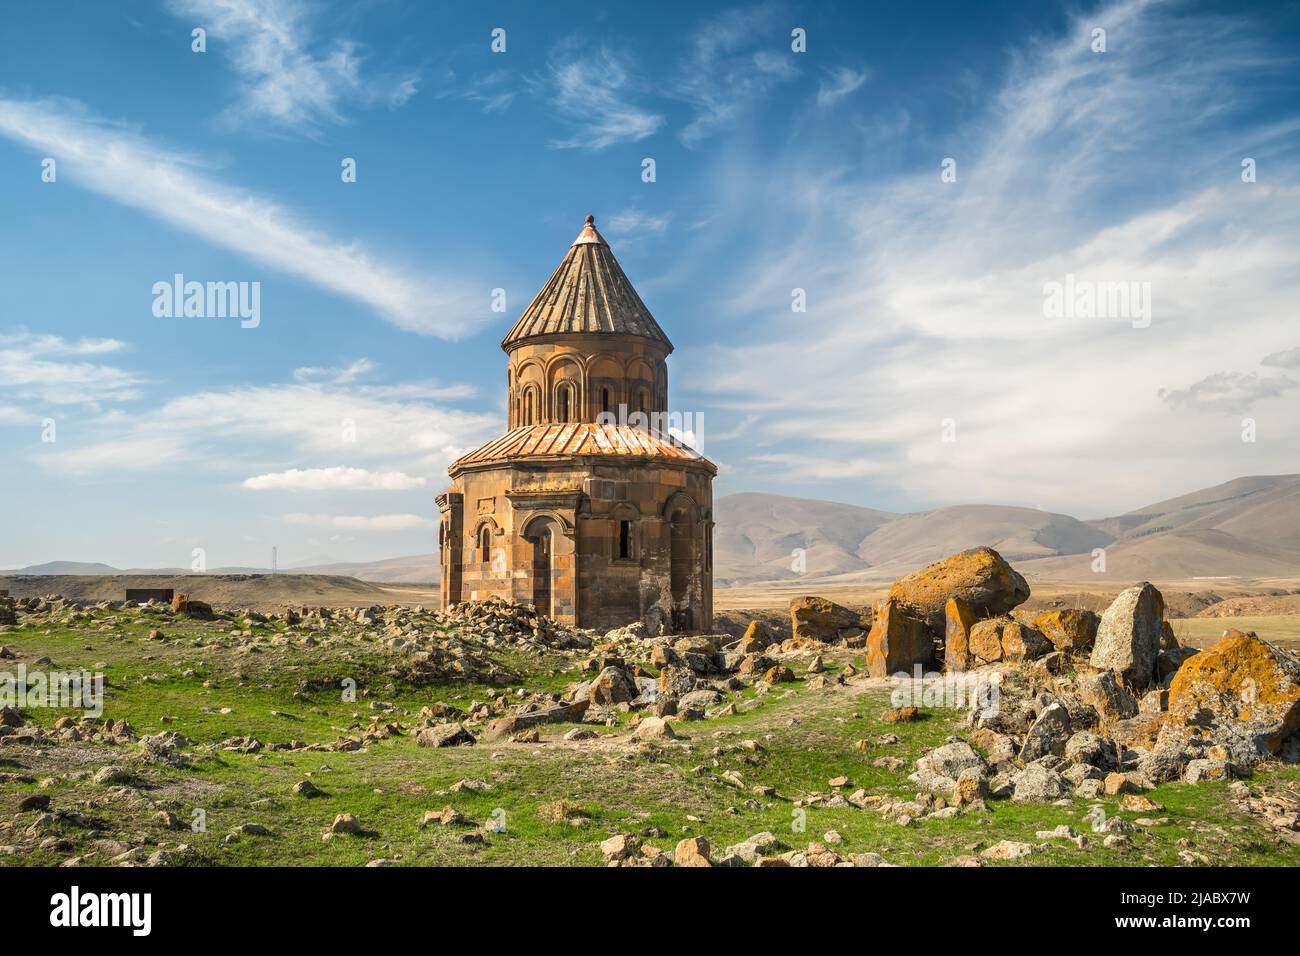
x=274 y=565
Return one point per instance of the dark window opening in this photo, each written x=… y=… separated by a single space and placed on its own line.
x=625 y=540
x=564 y=404
x=485 y=544
x=604 y=400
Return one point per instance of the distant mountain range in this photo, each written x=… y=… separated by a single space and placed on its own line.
x=1245 y=528
x=415 y=569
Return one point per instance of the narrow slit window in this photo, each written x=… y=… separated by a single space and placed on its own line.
x=625 y=540
x=485 y=544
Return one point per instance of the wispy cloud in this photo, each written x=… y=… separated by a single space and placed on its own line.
x=1286 y=358
x=839 y=83
x=51 y=369
x=394 y=522
x=941 y=284
x=333 y=479
x=335 y=376
x=1228 y=392
x=302 y=427
x=728 y=69
x=115 y=161
x=286 y=75
x=492 y=93
x=630 y=224
x=592 y=92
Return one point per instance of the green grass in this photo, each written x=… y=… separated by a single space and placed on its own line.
x=805 y=737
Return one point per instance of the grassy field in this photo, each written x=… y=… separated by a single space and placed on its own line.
x=212 y=687
x=1283 y=630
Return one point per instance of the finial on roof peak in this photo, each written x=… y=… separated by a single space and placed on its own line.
x=589 y=235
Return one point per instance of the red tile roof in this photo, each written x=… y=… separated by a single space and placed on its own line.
x=575 y=439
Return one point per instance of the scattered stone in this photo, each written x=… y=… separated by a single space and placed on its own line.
x=620 y=847
x=1048 y=735
x=345 y=823
x=444 y=735
x=692 y=851
x=1039 y=784
x=901 y=715
x=1007 y=850
x=654 y=728
x=1068 y=630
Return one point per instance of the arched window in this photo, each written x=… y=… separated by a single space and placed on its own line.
x=528 y=407
x=604 y=400
x=485 y=544
x=565 y=402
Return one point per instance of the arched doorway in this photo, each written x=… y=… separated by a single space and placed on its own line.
x=682 y=570
x=540 y=535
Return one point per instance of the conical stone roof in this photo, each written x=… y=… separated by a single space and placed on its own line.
x=588 y=292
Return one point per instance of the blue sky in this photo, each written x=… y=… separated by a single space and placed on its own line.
x=775 y=170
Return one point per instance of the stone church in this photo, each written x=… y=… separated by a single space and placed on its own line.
x=586 y=507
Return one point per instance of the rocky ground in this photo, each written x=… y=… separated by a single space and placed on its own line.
x=399 y=735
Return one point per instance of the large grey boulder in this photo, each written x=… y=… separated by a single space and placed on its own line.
x=1092 y=750
x=1128 y=637
x=1048 y=735
x=1039 y=784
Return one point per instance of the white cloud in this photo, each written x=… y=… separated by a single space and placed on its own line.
x=631 y=224
x=1287 y=358
x=278 y=427
x=810 y=468
x=38 y=367
x=287 y=77
x=728 y=70
x=119 y=163
x=397 y=522
x=1228 y=392
x=839 y=83
x=925 y=298
x=334 y=479
x=590 y=91
x=336 y=376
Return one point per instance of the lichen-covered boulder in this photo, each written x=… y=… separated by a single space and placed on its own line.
x=1129 y=635
x=1243 y=682
x=1092 y=750
x=958 y=621
x=757 y=636
x=1068 y=630
x=1038 y=784
x=611 y=686
x=986 y=639
x=1022 y=643
x=897 y=642
x=981 y=577
x=1105 y=694
x=817 y=619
